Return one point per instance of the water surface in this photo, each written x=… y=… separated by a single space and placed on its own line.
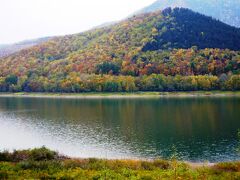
x=197 y=129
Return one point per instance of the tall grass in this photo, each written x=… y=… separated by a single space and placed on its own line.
x=43 y=163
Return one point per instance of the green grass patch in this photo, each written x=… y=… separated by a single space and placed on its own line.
x=138 y=94
x=43 y=163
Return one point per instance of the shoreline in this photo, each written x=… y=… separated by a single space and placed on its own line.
x=191 y=164
x=119 y=95
x=62 y=156
x=43 y=163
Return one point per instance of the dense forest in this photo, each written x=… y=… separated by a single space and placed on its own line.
x=170 y=50
x=182 y=28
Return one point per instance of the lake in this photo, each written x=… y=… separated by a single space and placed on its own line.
x=194 y=129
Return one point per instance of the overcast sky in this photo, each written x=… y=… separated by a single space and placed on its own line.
x=27 y=19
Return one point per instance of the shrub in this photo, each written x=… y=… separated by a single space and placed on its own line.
x=40 y=165
x=42 y=154
x=37 y=154
x=95 y=164
x=3 y=174
x=162 y=164
x=228 y=166
x=76 y=163
x=17 y=156
x=147 y=165
x=5 y=156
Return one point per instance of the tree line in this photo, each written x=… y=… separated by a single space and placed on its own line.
x=75 y=83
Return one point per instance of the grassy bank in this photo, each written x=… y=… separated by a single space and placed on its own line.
x=125 y=94
x=46 y=164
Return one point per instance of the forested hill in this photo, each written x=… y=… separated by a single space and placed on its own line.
x=227 y=11
x=170 y=42
x=182 y=28
x=8 y=49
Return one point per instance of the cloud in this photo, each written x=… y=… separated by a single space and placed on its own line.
x=28 y=19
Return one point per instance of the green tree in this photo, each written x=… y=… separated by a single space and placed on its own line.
x=108 y=68
x=11 y=79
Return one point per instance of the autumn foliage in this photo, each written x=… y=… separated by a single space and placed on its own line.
x=172 y=50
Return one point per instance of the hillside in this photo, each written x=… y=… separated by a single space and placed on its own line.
x=8 y=49
x=154 y=43
x=224 y=10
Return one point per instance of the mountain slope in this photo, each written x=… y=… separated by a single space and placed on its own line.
x=6 y=50
x=227 y=11
x=153 y=43
x=182 y=29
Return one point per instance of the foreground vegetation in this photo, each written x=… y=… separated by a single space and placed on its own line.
x=46 y=164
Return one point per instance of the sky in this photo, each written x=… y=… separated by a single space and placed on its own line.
x=29 y=19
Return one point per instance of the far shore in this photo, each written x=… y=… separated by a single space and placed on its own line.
x=119 y=95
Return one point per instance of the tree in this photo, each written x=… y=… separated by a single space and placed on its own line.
x=11 y=79
x=107 y=67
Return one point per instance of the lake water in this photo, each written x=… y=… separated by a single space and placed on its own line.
x=196 y=129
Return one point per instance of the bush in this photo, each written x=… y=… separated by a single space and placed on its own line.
x=3 y=175
x=76 y=163
x=41 y=165
x=5 y=156
x=95 y=164
x=162 y=164
x=42 y=154
x=147 y=165
x=37 y=154
x=228 y=166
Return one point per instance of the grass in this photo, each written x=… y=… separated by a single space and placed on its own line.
x=43 y=163
x=125 y=94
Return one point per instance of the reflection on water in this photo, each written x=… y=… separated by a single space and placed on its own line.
x=200 y=128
